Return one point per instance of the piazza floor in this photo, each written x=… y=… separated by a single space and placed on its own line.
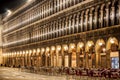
x=15 y=74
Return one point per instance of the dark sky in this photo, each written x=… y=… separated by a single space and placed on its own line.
x=9 y=4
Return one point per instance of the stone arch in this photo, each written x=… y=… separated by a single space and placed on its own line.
x=30 y=52
x=47 y=51
x=100 y=50
x=38 y=51
x=47 y=57
x=53 y=50
x=43 y=55
x=58 y=48
x=65 y=50
x=72 y=48
x=114 y=2
x=90 y=54
x=26 y=52
x=42 y=51
x=78 y=14
x=53 y=56
x=59 y=52
x=34 y=52
x=102 y=6
x=97 y=8
x=72 y=55
x=89 y=45
x=99 y=43
x=80 y=46
x=111 y=40
x=87 y=11
x=65 y=47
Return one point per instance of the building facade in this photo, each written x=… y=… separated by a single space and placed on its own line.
x=64 y=33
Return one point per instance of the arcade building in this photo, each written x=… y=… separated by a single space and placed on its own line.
x=63 y=33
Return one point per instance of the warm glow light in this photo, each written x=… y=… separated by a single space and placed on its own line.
x=100 y=44
x=89 y=44
x=38 y=50
x=47 y=49
x=48 y=54
x=112 y=41
x=9 y=12
x=59 y=48
x=65 y=48
x=20 y=52
x=26 y=52
x=81 y=45
x=43 y=50
x=23 y=52
x=34 y=51
x=104 y=49
x=53 y=48
x=29 y=0
x=72 y=46
x=30 y=51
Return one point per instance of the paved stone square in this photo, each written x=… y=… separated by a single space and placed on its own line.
x=15 y=74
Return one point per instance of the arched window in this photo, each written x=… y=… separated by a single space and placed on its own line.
x=116 y=15
x=79 y=24
x=111 y=17
x=104 y=18
x=94 y=21
x=99 y=20
x=75 y=24
x=88 y=23
x=84 y=23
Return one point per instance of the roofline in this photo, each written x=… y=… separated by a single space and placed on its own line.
x=18 y=10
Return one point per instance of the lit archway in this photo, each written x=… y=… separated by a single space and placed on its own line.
x=48 y=57
x=100 y=50
x=72 y=51
x=90 y=54
x=59 y=52
x=112 y=50
x=38 y=57
x=53 y=56
x=66 y=55
x=80 y=54
x=43 y=59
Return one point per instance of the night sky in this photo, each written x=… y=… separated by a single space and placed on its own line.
x=9 y=4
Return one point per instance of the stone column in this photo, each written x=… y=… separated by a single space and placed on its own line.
x=67 y=30
x=60 y=28
x=55 y=6
x=113 y=15
x=58 y=5
x=107 y=16
x=91 y=21
x=101 y=17
x=70 y=2
x=63 y=24
x=97 y=60
x=74 y=2
x=86 y=22
x=82 y=23
x=96 y=20
x=119 y=13
x=73 y=25
x=64 y=6
x=69 y=26
x=1 y=28
x=77 y=24
x=66 y=1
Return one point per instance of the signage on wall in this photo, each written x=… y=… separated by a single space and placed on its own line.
x=114 y=54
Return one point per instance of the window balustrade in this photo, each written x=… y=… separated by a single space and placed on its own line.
x=38 y=12
x=67 y=25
